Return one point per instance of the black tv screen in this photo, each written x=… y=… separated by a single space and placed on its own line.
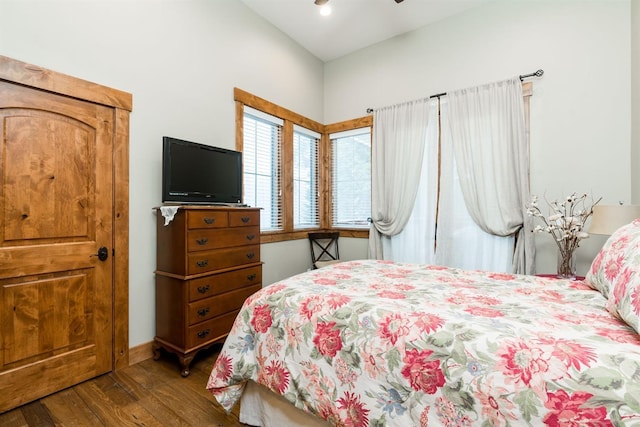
x=195 y=173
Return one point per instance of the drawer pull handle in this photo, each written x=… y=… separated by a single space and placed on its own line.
x=251 y=277
x=202 y=263
x=202 y=241
x=250 y=255
x=203 y=311
x=202 y=334
x=209 y=220
x=245 y=219
x=251 y=236
x=203 y=289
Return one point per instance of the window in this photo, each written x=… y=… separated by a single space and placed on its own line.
x=288 y=168
x=262 y=166
x=305 y=178
x=351 y=178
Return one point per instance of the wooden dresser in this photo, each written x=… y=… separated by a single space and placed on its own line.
x=208 y=263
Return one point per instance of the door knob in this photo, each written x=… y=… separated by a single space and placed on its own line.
x=103 y=253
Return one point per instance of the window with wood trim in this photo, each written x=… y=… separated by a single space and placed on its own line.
x=283 y=161
x=262 y=173
x=351 y=178
x=347 y=204
x=287 y=162
x=306 y=149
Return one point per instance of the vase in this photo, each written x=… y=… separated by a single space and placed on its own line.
x=566 y=265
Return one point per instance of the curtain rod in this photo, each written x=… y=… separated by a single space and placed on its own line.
x=522 y=77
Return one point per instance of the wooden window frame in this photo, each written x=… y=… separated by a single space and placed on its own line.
x=290 y=118
x=359 y=123
x=315 y=180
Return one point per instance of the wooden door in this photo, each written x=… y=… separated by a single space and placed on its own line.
x=56 y=212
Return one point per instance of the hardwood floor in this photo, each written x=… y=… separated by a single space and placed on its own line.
x=150 y=393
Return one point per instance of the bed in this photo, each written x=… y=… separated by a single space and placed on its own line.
x=373 y=343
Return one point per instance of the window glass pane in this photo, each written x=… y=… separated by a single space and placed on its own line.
x=261 y=163
x=305 y=180
x=351 y=179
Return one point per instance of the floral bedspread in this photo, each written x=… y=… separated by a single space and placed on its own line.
x=375 y=343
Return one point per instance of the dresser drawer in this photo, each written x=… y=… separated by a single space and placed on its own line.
x=205 y=309
x=202 y=240
x=207 y=219
x=213 y=329
x=201 y=262
x=242 y=218
x=215 y=284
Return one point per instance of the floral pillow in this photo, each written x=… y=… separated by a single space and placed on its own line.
x=615 y=272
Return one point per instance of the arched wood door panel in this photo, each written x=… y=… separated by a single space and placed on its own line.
x=56 y=211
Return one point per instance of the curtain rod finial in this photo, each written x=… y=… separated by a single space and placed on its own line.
x=536 y=74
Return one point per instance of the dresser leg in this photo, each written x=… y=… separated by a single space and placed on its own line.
x=156 y=350
x=185 y=361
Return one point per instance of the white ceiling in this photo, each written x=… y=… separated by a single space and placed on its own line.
x=353 y=24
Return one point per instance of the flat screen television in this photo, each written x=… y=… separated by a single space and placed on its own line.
x=195 y=173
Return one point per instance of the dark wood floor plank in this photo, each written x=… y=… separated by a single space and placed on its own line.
x=118 y=412
x=150 y=393
x=201 y=411
x=13 y=419
x=129 y=384
x=36 y=414
x=164 y=413
x=145 y=379
x=196 y=381
x=113 y=391
x=68 y=409
x=149 y=401
x=151 y=373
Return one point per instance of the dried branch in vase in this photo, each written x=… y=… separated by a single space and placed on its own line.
x=565 y=222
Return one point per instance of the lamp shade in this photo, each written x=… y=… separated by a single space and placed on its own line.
x=607 y=219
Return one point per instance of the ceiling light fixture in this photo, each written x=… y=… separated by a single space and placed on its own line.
x=325 y=9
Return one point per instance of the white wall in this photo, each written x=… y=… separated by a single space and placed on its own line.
x=580 y=110
x=180 y=59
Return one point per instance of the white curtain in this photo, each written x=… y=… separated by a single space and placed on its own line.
x=492 y=158
x=416 y=242
x=396 y=162
x=461 y=242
